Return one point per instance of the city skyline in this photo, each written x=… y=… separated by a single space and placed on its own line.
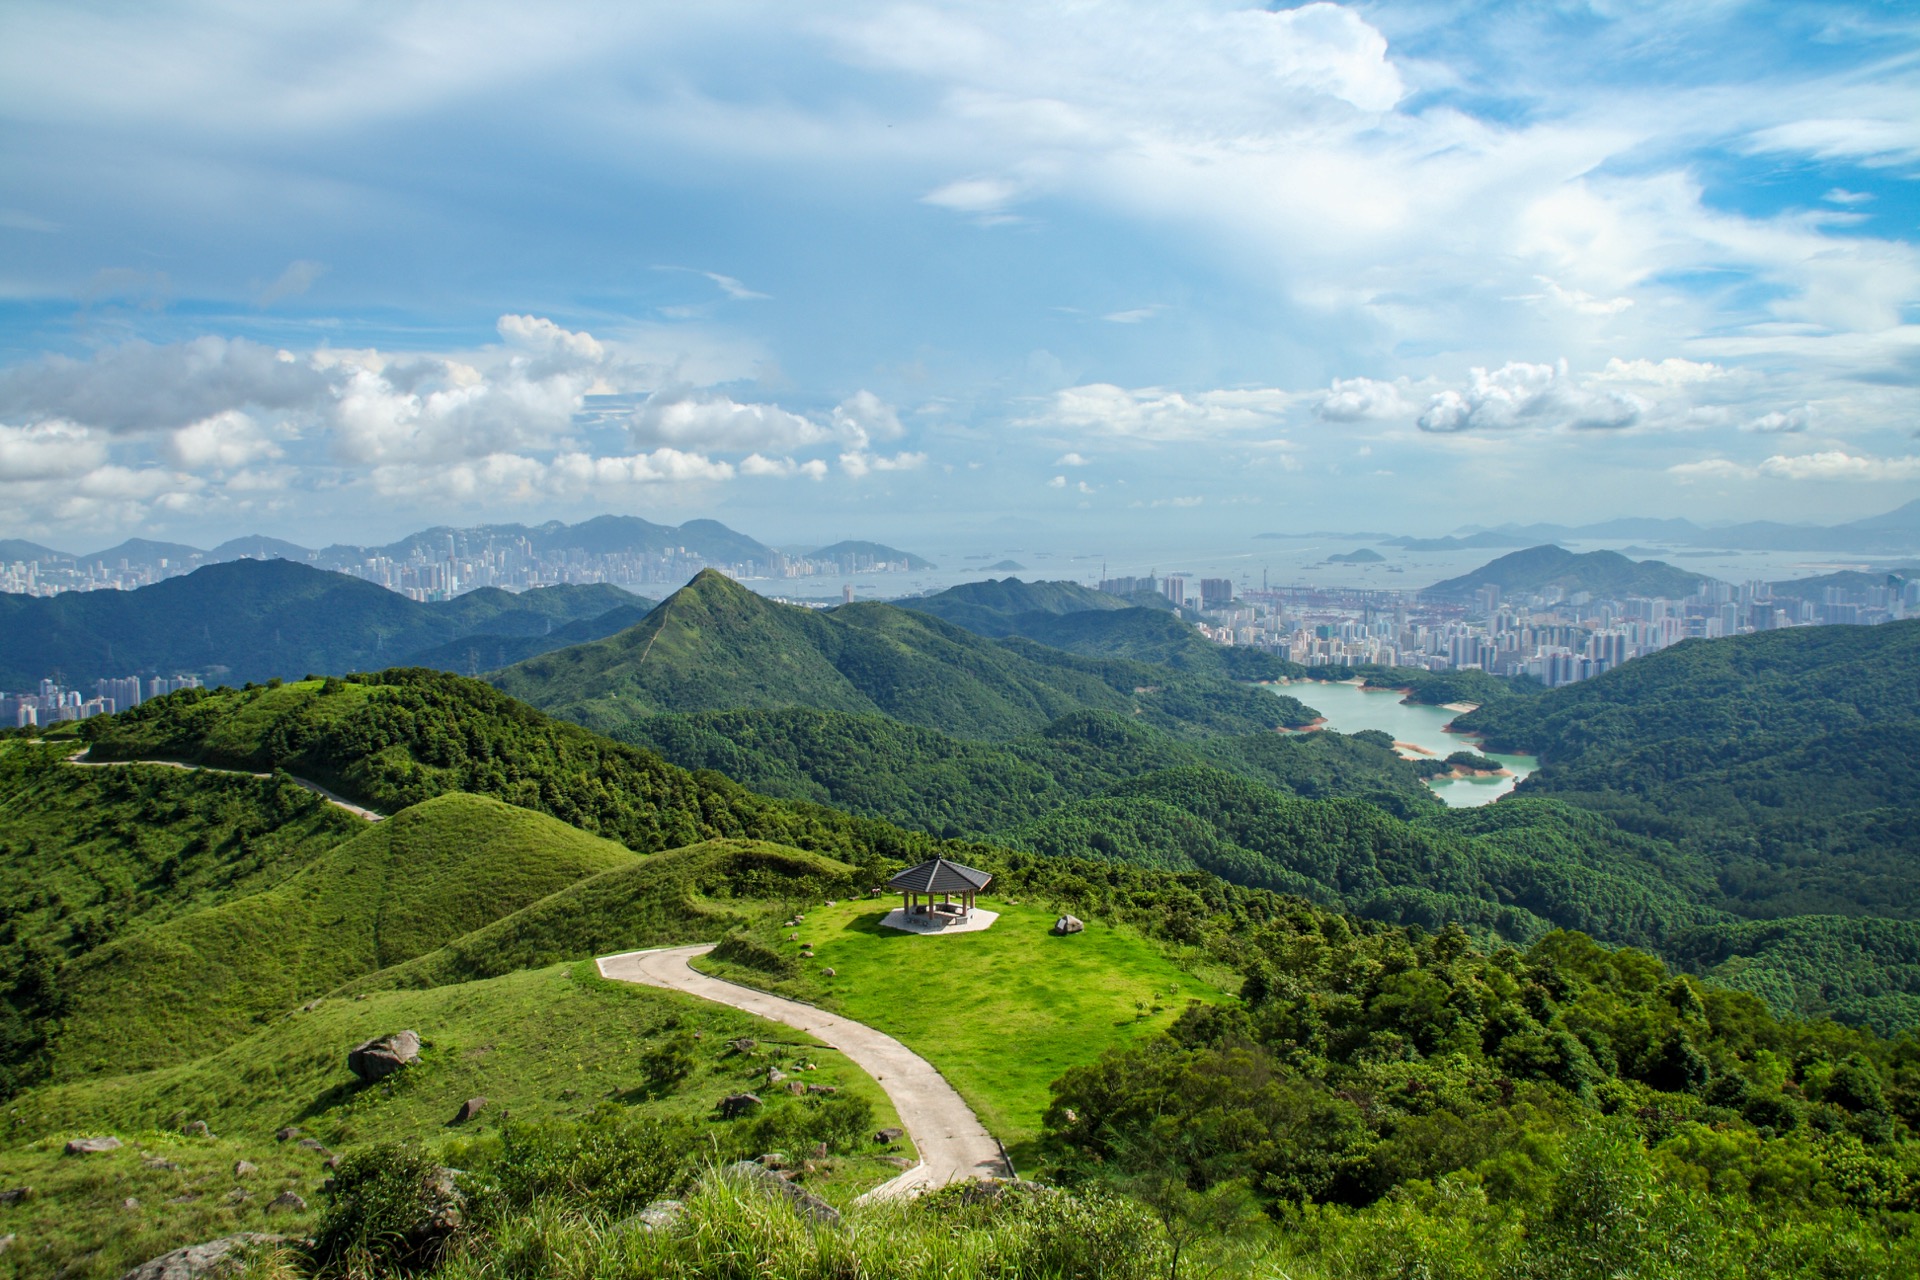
x=899 y=271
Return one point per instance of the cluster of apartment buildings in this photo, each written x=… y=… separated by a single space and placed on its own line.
x=53 y=702
x=1554 y=637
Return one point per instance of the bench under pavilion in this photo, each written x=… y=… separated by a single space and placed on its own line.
x=941 y=879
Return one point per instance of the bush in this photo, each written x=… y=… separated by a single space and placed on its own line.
x=842 y=1121
x=385 y=1212
x=613 y=1164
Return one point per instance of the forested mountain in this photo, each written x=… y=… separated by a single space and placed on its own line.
x=987 y=608
x=256 y=619
x=855 y=549
x=714 y=645
x=1785 y=758
x=1603 y=573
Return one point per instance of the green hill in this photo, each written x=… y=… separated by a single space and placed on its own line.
x=850 y=553
x=1601 y=573
x=430 y=874
x=472 y=654
x=714 y=645
x=1784 y=757
x=985 y=608
x=257 y=619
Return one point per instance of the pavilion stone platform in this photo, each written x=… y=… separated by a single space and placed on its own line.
x=973 y=922
x=950 y=882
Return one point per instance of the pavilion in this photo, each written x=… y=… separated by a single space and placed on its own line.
x=944 y=880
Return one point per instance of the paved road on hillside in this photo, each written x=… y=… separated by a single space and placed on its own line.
x=314 y=787
x=952 y=1142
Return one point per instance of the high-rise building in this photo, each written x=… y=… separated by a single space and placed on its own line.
x=1216 y=593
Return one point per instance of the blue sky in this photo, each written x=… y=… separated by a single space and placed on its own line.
x=335 y=271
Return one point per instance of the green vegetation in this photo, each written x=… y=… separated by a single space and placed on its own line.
x=1431 y=688
x=472 y=654
x=714 y=645
x=548 y=1047
x=1604 y=573
x=1783 y=761
x=963 y=1001
x=256 y=619
x=432 y=873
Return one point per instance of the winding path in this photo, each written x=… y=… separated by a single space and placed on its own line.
x=952 y=1142
x=332 y=799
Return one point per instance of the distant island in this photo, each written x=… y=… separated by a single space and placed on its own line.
x=1599 y=572
x=1365 y=555
x=856 y=556
x=1009 y=566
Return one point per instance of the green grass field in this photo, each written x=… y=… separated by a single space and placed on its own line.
x=1002 y=1013
x=539 y=1044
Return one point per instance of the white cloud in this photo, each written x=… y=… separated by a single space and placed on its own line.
x=48 y=451
x=1540 y=396
x=1070 y=460
x=863 y=418
x=1058 y=482
x=1133 y=315
x=1782 y=421
x=755 y=465
x=858 y=463
x=543 y=336
x=711 y=420
x=1828 y=464
x=733 y=288
x=1355 y=399
x=1670 y=372
x=142 y=387
x=1155 y=414
x=295 y=280
x=979 y=196
x=224 y=441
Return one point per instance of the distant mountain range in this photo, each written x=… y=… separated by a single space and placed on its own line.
x=1896 y=530
x=707 y=540
x=253 y=620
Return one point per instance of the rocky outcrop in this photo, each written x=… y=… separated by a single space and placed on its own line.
x=469 y=1109
x=381 y=1057
x=196 y=1261
x=1069 y=924
x=735 y=1105
x=92 y=1146
x=768 y=1183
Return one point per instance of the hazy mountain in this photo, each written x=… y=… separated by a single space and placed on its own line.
x=12 y=549
x=1896 y=530
x=875 y=550
x=1606 y=573
x=255 y=619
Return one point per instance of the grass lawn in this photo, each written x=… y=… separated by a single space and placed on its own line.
x=1001 y=1013
x=551 y=1042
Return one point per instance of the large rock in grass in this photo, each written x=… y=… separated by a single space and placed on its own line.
x=735 y=1105
x=381 y=1057
x=92 y=1146
x=1069 y=924
x=772 y=1185
x=196 y=1261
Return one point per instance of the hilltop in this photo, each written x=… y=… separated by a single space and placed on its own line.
x=257 y=619
x=853 y=551
x=1600 y=573
x=714 y=645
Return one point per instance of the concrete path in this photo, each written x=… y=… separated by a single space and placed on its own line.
x=314 y=787
x=952 y=1142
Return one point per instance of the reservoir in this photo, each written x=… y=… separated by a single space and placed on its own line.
x=1416 y=730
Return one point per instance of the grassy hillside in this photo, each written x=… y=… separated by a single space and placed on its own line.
x=430 y=874
x=256 y=619
x=485 y=651
x=1784 y=757
x=714 y=645
x=1604 y=573
x=542 y=1046
x=963 y=1001
x=697 y=894
x=986 y=608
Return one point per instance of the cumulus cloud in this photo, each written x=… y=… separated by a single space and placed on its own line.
x=1155 y=414
x=224 y=441
x=48 y=451
x=857 y=463
x=755 y=465
x=1519 y=395
x=1781 y=422
x=712 y=420
x=863 y=418
x=1070 y=460
x=1827 y=464
x=1356 y=399
x=143 y=387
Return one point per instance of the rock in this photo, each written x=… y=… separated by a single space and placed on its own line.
x=775 y=1075
x=899 y=1162
x=1068 y=924
x=382 y=1056
x=735 y=1105
x=888 y=1135
x=245 y=1168
x=771 y=1184
x=185 y=1197
x=16 y=1195
x=661 y=1215
x=130 y=1203
x=92 y=1146
x=312 y=1144
x=828 y=1089
x=239 y=1195
x=798 y=1088
x=287 y=1134
x=156 y=1162
x=6 y=1242
x=819 y=1151
x=331 y=1162
x=771 y=1160
x=829 y=972
x=288 y=1202
x=199 y=1260
x=196 y=1129
x=744 y=1045
x=469 y=1109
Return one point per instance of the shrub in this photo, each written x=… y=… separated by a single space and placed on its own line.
x=384 y=1212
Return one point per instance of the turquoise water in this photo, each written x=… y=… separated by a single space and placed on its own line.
x=1349 y=709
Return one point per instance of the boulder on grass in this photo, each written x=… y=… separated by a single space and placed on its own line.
x=201 y=1260
x=1068 y=924
x=735 y=1105
x=382 y=1056
x=92 y=1146
x=889 y=1135
x=469 y=1109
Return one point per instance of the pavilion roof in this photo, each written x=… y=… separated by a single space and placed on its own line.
x=940 y=876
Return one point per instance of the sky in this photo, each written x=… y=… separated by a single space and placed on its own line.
x=1102 y=268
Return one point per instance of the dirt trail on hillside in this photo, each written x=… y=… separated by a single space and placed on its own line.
x=952 y=1142
x=332 y=799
